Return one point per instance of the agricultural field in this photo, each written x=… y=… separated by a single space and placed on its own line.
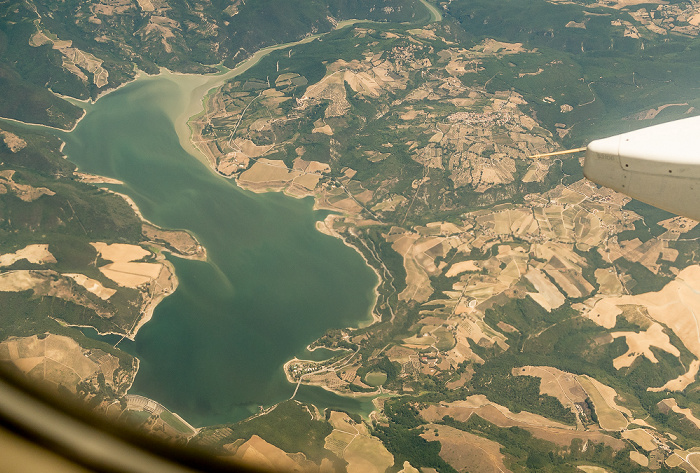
x=525 y=319
x=530 y=237
x=60 y=362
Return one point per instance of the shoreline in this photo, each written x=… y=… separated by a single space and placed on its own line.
x=323 y=227
x=202 y=86
x=41 y=125
x=143 y=219
x=227 y=74
x=210 y=83
x=435 y=15
x=311 y=350
x=139 y=74
x=108 y=90
x=146 y=312
x=195 y=107
x=301 y=382
x=150 y=307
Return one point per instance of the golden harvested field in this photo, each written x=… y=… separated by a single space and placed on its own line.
x=592 y=469
x=571 y=281
x=673 y=306
x=336 y=200
x=418 y=286
x=560 y=384
x=25 y=192
x=56 y=359
x=43 y=283
x=608 y=281
x=680 y=457
x=367 y=454
x=547 y=295
x=694 y=459
x=681 y=382
x=146 y=5
x=14 y=281
x=123 y=270
x=465 y=451
x=267 y=174
x=131 y=274
x=675 y=459
x=331 y=87
x=687 y=413
x=311 y=166
x=353 y=443
x=258 y=453
x=417 y=264
x=567 y=196
x=514 y=270
x=679 y=224
x=120 y=252
x=639 y=344
x=35 y=254
x=461 y=267
x=537 y=425
x=363 y=82
x=559 y=255
x=408 y=468
x=641 y=437
x=609 y=417
x=509 y=221
x=639 y=458
x=647 y=253
x=589 y=230
x=92 y=285
x=249 y=149
x=338 y=441
x=537 y=170
x=480 y=287
x=495 y=413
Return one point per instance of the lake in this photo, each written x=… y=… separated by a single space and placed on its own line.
x=213 y=352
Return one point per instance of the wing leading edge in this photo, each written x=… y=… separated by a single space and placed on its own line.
x=659 y=165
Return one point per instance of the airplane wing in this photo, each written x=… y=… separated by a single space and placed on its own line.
x=659 y=165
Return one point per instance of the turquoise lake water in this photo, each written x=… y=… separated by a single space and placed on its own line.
x=213 y=352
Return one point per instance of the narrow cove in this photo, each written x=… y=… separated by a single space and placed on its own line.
x=213 y=351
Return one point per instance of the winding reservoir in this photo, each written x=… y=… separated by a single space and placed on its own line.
x=213 y=352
